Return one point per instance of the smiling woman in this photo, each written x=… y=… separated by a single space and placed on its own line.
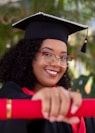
x=50 y=69
x=39 y=62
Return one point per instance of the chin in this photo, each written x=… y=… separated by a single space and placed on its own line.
x=50 y=84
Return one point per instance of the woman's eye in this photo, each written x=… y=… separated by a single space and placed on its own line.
x=64 y=58
x=47 y=54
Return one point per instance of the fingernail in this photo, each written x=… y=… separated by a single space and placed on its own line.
x=45 y=115
x=60 y=118
x=75 y=120
x=74 y=109
x=52 y=119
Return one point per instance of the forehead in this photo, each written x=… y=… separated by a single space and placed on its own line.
x=55 y=45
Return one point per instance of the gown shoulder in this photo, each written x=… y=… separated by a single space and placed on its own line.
x=13 y=91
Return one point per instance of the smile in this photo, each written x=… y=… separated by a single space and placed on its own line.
x=51 y=72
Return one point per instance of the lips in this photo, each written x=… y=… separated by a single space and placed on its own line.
x=52 y=72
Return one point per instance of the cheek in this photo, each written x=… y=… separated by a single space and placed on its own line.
x=37 y=67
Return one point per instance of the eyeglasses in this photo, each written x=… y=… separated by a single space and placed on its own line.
x=50 y=57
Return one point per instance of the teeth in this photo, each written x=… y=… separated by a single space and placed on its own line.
x=51 y=72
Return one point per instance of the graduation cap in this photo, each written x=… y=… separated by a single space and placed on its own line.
x=44 y=26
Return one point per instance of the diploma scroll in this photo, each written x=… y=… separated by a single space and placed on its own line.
x=28 y=109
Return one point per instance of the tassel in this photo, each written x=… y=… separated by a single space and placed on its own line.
x=83 y=49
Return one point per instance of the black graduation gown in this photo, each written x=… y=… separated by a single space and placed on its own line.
x=14 y=91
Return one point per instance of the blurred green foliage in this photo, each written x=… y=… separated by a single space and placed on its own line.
x=81 y=11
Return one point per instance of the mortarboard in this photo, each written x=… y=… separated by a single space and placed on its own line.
x=43 y=26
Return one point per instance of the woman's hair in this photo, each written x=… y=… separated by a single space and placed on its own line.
x=16 y=65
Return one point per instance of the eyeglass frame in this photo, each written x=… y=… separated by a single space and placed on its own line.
x=56 y=57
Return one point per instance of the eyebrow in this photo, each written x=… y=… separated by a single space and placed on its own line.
x=53 y=50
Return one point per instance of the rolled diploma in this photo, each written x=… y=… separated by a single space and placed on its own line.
x=30 y=109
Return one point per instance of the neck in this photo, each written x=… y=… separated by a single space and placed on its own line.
x=38 y=87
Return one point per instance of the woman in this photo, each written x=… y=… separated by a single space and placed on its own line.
x=39 y=64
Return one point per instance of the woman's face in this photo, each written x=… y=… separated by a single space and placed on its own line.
x=47 y=69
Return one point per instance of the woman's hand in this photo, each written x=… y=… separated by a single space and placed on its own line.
x=56 y=103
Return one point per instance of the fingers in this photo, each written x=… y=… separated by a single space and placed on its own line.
x=64 y=104
x=76 y=101
x=50 y=102
x=46 y=104
x=65 y=101
x=44 y=96
x=56 y=103
x=71 y=120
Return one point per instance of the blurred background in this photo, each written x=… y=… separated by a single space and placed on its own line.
x=82 y=68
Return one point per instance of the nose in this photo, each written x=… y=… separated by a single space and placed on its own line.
x=56 y=62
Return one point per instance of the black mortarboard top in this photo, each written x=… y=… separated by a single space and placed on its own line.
x=42 y=26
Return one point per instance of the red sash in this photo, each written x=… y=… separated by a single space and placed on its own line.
x=79 y=128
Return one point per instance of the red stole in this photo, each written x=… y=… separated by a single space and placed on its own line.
x=79 y=128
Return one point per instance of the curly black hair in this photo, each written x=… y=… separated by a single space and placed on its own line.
x=16 y=66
